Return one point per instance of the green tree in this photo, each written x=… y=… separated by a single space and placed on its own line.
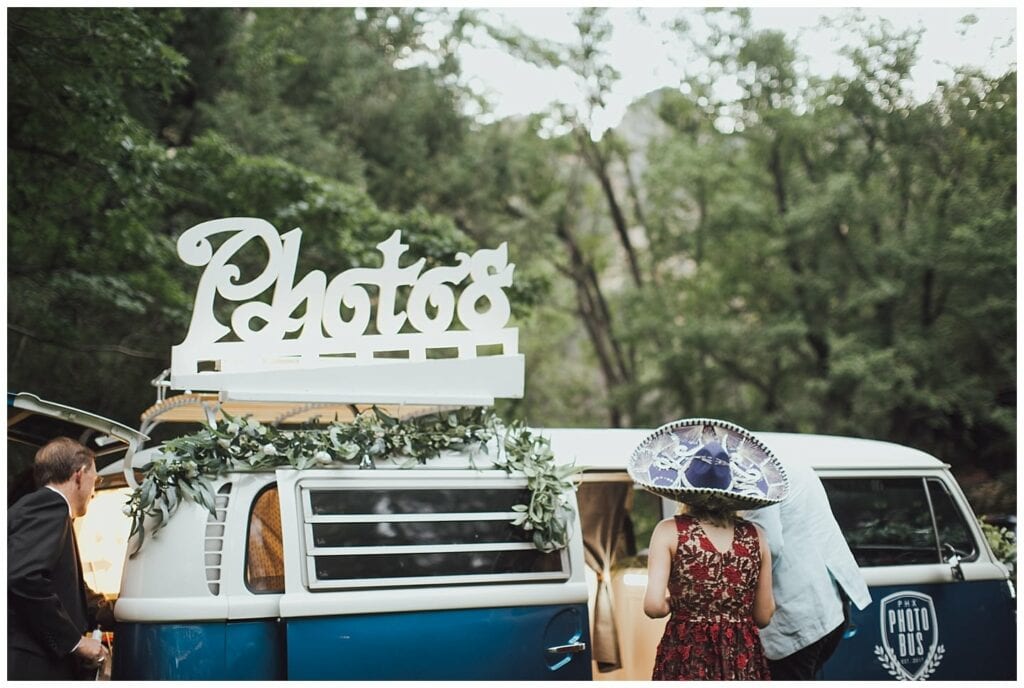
x=84 y=267
x=99 y=191
x=816 y=254
x=850 y=253
x=327 y=89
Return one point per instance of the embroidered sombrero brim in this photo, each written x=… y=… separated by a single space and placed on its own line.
x=703 y=461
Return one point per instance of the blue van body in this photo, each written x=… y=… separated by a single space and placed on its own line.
x=214 y=651
x=474 y=643
x=975 y=637
x=496 y=642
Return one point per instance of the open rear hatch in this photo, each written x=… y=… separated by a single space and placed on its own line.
x=103 y=532
x=32 y=422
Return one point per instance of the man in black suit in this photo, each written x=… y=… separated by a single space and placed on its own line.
x=49 y=606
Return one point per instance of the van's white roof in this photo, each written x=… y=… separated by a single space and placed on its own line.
x=603 y=449
x=609 y=449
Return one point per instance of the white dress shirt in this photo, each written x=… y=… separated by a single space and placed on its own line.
x=62 y=496
x=810 y=563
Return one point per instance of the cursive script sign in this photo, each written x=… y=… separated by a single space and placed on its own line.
x=313 y=327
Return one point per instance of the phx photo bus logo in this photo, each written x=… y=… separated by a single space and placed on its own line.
x=910 y=649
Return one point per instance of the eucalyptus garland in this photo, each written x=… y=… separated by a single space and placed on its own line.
x=187 y=465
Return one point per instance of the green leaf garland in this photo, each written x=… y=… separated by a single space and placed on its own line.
x=187 y=465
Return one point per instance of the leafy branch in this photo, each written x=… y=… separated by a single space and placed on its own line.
x=187 y=465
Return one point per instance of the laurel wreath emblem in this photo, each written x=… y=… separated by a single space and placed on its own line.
x=891 y=664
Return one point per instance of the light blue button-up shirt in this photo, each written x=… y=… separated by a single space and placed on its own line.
x=810 y=563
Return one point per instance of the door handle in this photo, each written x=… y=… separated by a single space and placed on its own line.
x=570 y=649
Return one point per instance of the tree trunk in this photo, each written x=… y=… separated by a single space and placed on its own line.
x=596 y=317
x=597 y=163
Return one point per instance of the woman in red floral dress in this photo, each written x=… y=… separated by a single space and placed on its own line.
x=712 y=571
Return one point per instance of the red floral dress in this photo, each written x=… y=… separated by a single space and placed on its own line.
x=711 y=633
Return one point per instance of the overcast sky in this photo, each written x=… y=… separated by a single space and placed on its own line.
x=649 y=56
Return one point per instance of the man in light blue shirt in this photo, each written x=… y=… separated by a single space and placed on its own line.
x=814 y=577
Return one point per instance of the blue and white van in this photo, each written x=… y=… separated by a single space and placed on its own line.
x=417 y=574
x=349 y=574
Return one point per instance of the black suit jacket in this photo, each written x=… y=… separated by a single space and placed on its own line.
x=49 y=606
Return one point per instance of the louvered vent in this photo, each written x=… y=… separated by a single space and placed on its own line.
x=380 y=533
x=214 y=547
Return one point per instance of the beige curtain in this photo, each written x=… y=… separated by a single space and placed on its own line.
x=604 y=513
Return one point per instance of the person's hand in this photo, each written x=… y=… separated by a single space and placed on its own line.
x=93 y=652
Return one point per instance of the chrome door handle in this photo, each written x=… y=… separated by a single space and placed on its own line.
x=570 y=649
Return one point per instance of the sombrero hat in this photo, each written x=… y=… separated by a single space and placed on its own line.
x=710 y=462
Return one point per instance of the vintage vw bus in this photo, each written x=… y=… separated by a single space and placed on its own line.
x=415 y=574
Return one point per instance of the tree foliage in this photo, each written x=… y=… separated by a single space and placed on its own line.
x=852 y=253
x=322 y=89
x=814 y=254
x=97 y=197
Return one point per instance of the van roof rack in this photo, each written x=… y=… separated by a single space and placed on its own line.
x=192 y=407
x=204 y=407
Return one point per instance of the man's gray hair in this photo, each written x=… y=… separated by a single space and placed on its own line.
x=57 y=460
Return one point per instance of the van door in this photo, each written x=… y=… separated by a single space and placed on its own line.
x=420 y=575
x=942 y=607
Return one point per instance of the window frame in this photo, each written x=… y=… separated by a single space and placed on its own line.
x=924 y=477
x=309 y=551
x=248 y=532
x=975 y=553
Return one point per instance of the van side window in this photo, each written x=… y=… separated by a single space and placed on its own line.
x=376 y=534
x=953 y=529
x=264 y=552
x=889 y=521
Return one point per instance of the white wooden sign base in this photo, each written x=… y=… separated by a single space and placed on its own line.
x=462 y=382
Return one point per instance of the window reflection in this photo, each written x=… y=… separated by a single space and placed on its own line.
x=886 y=522
x=414 y=501
x=436 y=564
x=415 y=533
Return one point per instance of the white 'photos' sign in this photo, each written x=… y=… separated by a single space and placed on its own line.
x=344 y=339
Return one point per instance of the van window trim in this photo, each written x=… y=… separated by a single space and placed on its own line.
x=439 y=479
x=400 y=583
x=931 y=513
x=938 y=474
x=359 y=550
x=977 y=542
x=412 y=518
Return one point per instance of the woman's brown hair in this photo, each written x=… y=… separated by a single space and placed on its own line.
x=711 y=511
